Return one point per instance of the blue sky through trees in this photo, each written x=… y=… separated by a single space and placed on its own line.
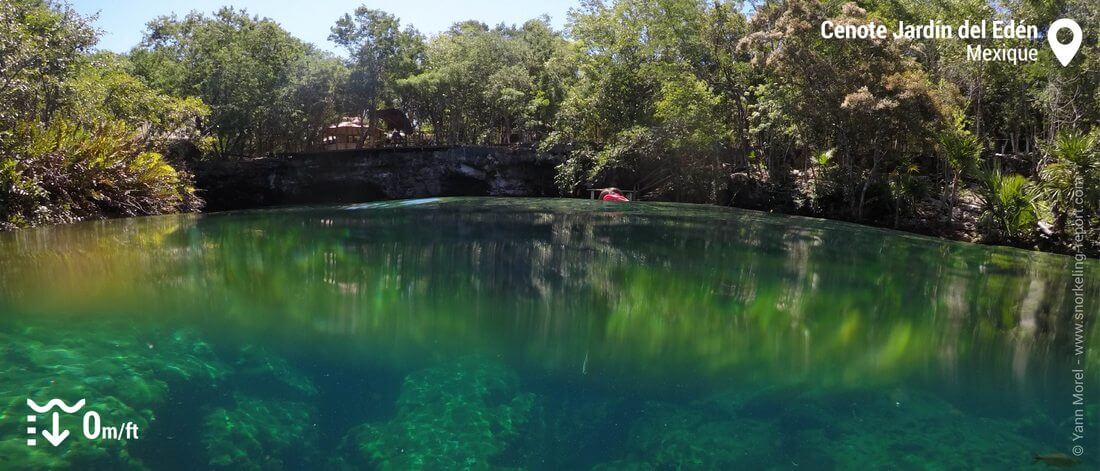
x=123 y=22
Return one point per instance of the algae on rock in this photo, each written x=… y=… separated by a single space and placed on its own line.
x=258 y=434
x=672 y=437
x=123 y=373
x=262 y=370
x=127 y=373
x=458 y=415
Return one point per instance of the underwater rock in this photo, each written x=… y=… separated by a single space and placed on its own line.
x=121 y=372
x=458 y=415
x=690 y=437
x=128 y=374
x=624 y=465
x=873 y=429
x=924 y=432
x=259 y=434
x=825 y=429
x=571 y=431
x=264 y=372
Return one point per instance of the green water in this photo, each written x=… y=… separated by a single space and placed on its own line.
x=537 y=334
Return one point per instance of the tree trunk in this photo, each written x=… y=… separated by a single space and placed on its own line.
x=866 y=184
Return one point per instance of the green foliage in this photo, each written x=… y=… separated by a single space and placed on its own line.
x=496 y=85
x=68 y=172
x=248 y=70
x=104 y=89
x=1072 y=179
x=822 y=159
x=908 y=121
x=1071 y=183
x=824 y=189
x=41 y=43
x=311 y=100
x=1010 y=207
x=906 y=188
x=959 y=151
x=868 y=99
x=959 y=148
x=78 y=132
x=380 y=54
x=651 y=104
x=636 y=155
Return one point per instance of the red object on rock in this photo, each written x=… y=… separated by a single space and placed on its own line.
x=615 y=198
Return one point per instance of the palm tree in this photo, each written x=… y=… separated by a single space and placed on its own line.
x=1075 y=167
x=1010 y=202
x=960 y=151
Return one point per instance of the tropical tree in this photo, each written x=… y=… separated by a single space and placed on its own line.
x=1072 y=178
x=1071 y=183
x=495 y=85
x=650 y=106
x=104 y=89
x=313 y=98
x=240 y=65
x=41 y=44
x=380 y=53
x=960 y=151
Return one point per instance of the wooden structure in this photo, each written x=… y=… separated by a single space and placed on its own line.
x=352 y=133
x=349 y=133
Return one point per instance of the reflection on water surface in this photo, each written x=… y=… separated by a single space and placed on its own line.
x=540 y=334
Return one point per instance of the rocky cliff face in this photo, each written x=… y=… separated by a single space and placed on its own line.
x=376 y=174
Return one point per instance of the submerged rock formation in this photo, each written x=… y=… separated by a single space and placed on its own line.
x=670 y=437
x=172 y=384
x=817 y=428
x=259 y=434
x=123 y=373
x=457 y=415
x=376 y=174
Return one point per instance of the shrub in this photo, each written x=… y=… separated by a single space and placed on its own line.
x=1010 y=204
x=65 y=172
x=1075 y=166
x=1071 y=182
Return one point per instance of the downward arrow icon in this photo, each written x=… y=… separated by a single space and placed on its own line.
x=57 y=435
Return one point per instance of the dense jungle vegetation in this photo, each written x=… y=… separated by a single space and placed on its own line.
x=684 y=100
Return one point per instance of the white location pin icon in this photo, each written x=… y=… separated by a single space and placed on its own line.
x=1064 y=52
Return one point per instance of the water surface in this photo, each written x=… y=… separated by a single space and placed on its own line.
x=473 y=333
